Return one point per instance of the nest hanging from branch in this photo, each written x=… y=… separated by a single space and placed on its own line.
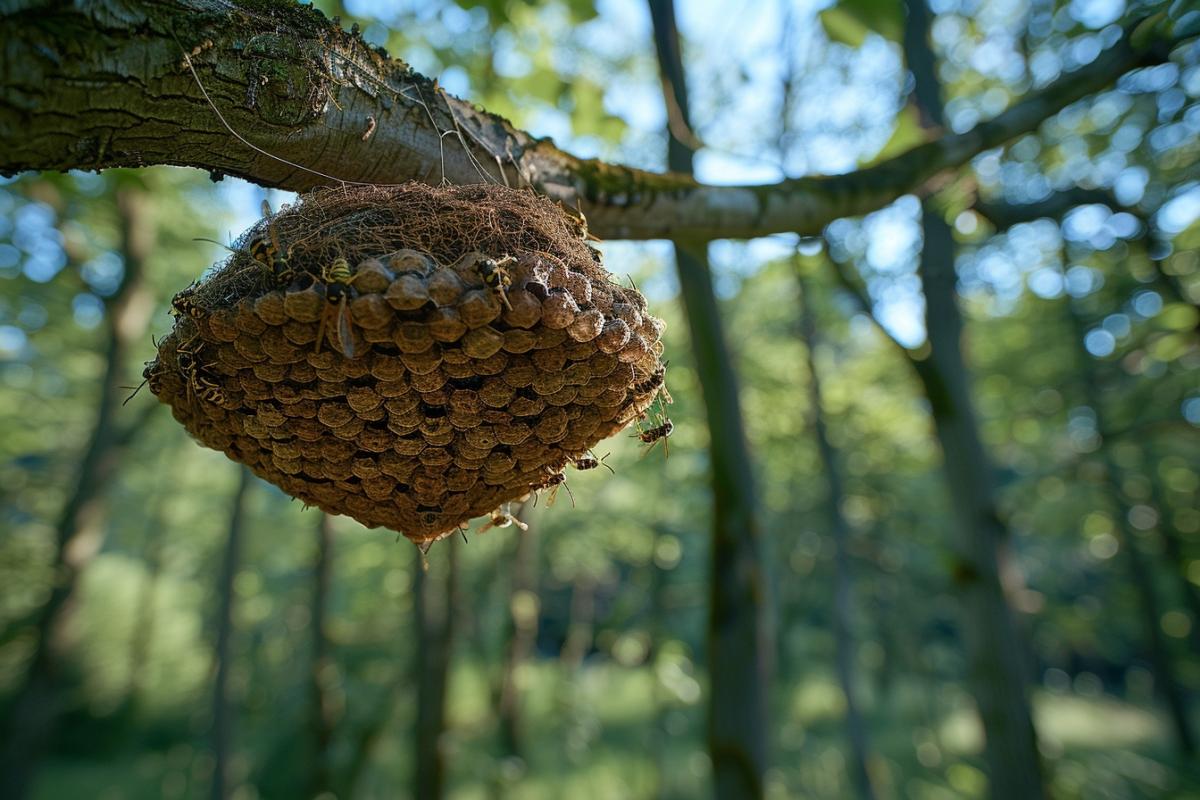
x=412 y=357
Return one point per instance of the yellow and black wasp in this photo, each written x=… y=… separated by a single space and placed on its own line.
x=496 y=277
x=198 y=383
x=590 y=461
x=205 y=388
x=186 y=353
x=266 y=250
x=656 y=434
x=338 y=278
x=579 y=222
x=655 y=383
x=552 y=482
x=183 y=304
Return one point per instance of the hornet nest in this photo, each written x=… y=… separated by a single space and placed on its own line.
x=412 y=357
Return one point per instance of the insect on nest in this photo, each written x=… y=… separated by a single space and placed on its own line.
x=413 y=357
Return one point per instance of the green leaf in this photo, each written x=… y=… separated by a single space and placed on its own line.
x=840 y=26
x=850 y=21
x=906 y=135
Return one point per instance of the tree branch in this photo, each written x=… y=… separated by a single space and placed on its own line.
x=858 y=293
x=1004 y=215
x=107 y=84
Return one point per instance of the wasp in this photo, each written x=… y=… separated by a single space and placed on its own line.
x=496 y=277
x=503 y=517
x=195 y=376
x=182 y=303
x=552 y=482
x=206 y=389
x=266 y=250
x=338 y=278
x=185 y=355
x=580 y=224
x=654 y=383
x=656 y=434
x=591 y=462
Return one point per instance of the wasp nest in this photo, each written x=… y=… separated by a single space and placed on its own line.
x=412 y=357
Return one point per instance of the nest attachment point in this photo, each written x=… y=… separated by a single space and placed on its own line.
x=412 y=357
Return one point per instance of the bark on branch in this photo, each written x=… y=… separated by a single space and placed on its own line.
x=107 y=84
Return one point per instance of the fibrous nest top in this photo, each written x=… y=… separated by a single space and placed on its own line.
x=410 y=356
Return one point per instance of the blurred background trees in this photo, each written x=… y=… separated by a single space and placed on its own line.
x=166 y=633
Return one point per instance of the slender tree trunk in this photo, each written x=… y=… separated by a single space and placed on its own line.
x=1173 y=554
x=222 y=718
x=1156 y=246
x=31 y=716
x=366 y=739
x=1166 y=682
x=843 y=592
x=322 y=720
x=996 y=654
x=581 y=628
x=739 y=636
x=433 y=593
x=522 y=624
x=143 y=627
x=659 y=631
x=1140 y=575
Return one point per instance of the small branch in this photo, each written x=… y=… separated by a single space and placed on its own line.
x=1004 y=215
x=858 y=293
x=106 y=84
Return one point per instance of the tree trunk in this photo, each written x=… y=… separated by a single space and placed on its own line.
x=433 y=593
x=522 y=624
x=222 y=720
x=31 y=716
x=1140 y=576
x=660 y=627
x=996 y=653
x=110 y=83
x=367 y=737
x=322 y=670
x=843 y=592
x=1173 y=554
x=739 y=638
x=143 y=627
x=1165 y=682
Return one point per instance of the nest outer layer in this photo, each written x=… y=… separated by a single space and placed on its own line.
x=429 y=400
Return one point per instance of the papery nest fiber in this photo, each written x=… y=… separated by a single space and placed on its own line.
x=471 y=347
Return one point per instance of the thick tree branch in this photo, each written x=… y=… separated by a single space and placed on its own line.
x=107 y=84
